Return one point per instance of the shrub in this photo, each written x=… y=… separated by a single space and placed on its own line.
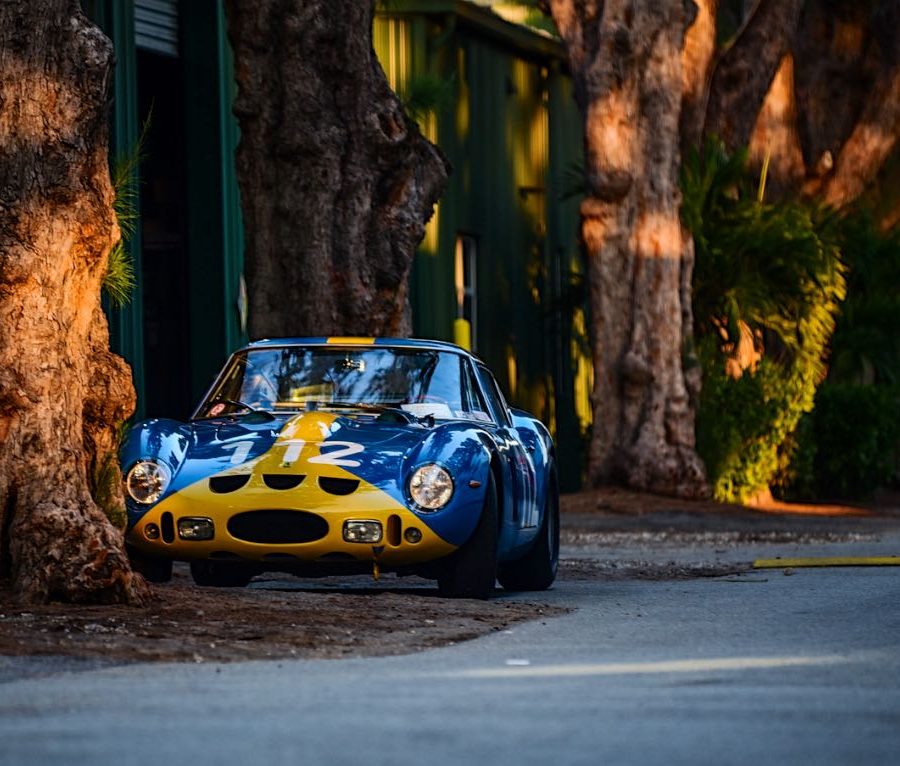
x=775 y=269
x=848 y=446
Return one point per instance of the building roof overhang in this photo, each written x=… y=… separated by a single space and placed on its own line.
x=482 y=19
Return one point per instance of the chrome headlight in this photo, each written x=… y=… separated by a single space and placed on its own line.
x=147 y=480
x=431 y=487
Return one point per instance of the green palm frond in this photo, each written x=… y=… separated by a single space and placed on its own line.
x=119 y=279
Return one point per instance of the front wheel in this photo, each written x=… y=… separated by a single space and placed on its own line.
x=471 y=571
x=219 y=574
x=536 y=570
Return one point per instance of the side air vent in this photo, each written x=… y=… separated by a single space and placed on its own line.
x=277 y=527
x=167 y=522
x=283 y=480
x=222 y=484
x=338 y=486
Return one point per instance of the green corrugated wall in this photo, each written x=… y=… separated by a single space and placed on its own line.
x=512 y=134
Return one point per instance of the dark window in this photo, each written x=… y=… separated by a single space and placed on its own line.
x=473 y=401
x=495 y=398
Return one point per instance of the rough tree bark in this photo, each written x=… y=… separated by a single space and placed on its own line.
x=625 y=59
x=744 y=72
x=831 y=117
x=61 y=390
x=336 y=181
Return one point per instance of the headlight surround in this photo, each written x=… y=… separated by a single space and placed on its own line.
x=431 y=487
x=147 y=480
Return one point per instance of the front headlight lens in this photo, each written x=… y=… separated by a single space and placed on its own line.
x=431 y=487
x=146 y=481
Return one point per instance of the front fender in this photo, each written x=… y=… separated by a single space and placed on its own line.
x=462 y=450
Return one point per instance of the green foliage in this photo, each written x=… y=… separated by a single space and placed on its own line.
x=776 y=269
x=105 y=481
x=119 y=280
x=866 y=343
x=848 y=446
x=427 y=93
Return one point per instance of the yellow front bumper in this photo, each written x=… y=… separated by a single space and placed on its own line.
x=367 y=503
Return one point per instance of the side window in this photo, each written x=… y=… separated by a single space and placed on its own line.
x=494 y=397
x=473 y=401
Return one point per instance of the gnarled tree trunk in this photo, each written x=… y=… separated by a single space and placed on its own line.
x=626 y=61
x=336 y=181
x=61 y=390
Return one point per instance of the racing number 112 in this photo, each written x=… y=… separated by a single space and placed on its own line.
x=332 y=457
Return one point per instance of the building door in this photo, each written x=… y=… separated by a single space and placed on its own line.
x=164 y=269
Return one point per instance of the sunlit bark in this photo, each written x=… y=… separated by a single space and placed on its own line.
x=336 y=181
x=61 y=390
x=744 y=72
x=775 y=139
x=640 y=260
x=696 y=58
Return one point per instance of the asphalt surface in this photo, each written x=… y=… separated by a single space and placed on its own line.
x=761 y=667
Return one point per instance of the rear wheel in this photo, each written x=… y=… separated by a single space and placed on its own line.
x=220 y=574
x=472 y=570
x=152 y=568
x=536 y=570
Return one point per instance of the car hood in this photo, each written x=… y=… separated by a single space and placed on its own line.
x=380 y=452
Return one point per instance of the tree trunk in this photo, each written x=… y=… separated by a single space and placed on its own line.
x=629 y=68
x=336 y=181
x=832 y=115
x=696 y=57
x=61 y=390
x=743 y=74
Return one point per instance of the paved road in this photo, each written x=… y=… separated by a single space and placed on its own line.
x=762 y=668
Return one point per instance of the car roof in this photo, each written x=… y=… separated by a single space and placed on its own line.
x=435 y=345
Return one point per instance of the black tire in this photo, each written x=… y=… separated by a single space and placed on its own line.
x=472 y=570
x=220 y=574
x=536 y=570
x=152 y=568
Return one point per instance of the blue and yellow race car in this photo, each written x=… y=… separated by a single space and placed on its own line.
x=320 y=456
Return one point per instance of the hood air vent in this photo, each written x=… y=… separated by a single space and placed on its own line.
x=338 y=486
x=222 y=484
x=283 y=480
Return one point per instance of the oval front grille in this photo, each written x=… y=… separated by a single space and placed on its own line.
x=277 y=527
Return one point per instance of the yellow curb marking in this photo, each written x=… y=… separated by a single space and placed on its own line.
x=836 y=561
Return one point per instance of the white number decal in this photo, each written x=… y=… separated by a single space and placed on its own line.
x=336 y=457
x=294 y=447
x=292 y=452
x=241 y=450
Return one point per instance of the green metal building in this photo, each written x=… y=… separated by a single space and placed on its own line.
x=501 y=252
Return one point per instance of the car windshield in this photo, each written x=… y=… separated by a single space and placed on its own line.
x=423 y=382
